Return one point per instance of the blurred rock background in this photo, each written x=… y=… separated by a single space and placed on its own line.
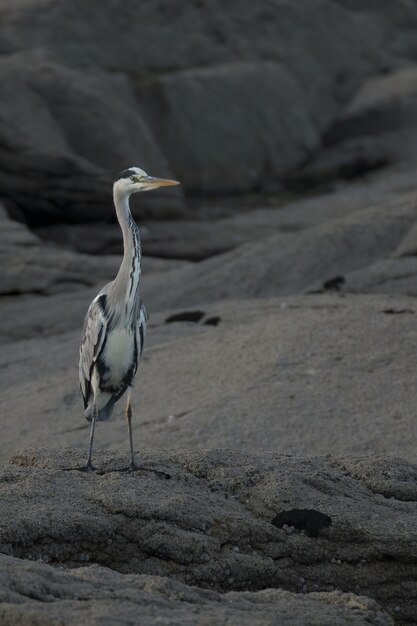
x=231 y=98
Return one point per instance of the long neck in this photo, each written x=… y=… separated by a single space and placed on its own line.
x=125 y=289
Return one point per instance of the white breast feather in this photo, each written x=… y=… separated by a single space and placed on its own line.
x=119 y=352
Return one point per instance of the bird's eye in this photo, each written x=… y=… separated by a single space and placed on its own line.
x=133 y=179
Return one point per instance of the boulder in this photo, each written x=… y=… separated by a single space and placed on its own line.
x=351 y=159
x=38 y=593
x=29 y=266
x=408 y=246
x=82 y=125
x=213 y=153
x=220 y=519
x=51 y=185
x=384 y=109
x=394 y=276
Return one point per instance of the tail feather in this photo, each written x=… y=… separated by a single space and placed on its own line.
x=103 y=414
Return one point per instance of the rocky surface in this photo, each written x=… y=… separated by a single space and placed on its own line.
x=301 y=375
x=35 y=593
x=384 y=107
x=287 y=263
x=30 y=266
x=221 y=520
x=219 y=226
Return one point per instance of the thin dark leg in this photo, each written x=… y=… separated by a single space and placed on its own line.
x=132 y=465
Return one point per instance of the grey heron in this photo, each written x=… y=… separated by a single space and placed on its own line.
x=115 y=325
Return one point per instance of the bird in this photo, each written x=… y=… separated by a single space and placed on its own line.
x=114 y=328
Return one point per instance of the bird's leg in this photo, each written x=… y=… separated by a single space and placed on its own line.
x=132 y=465
x=90 y=467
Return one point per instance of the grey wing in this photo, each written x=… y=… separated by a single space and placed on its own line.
x=141 y=329
x=92 y=339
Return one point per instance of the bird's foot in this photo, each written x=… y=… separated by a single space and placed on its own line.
x=133 y=467
x=88 y=468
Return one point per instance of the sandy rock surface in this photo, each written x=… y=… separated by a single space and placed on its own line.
x=301 y=375
x=35 y=593
x=222 y=520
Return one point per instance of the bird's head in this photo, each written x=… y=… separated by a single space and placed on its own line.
x=134 y=179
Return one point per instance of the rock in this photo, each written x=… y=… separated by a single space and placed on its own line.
x=351 y=159
x=187 y=240
x=89 y=238
x=87 y=117
x=297 y=375
x=233 y=106
x=25 y=316
x=86 y=596
x=172 y=240
x=211 y=524
x=14 y=234
x=395 y=276
x=290 y=263
x=385 y=109
x=51 y=184
x=28 y=266
x=199 y=240
x=180 y=103
x=408 y=245
x=221 y=225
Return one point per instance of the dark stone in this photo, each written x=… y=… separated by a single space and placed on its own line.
x=309 y=520
x=398 y=311
x=185 y=316
x=213 y=321
x=334 y=284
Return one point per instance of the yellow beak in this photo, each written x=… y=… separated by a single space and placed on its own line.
x=161 y=182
